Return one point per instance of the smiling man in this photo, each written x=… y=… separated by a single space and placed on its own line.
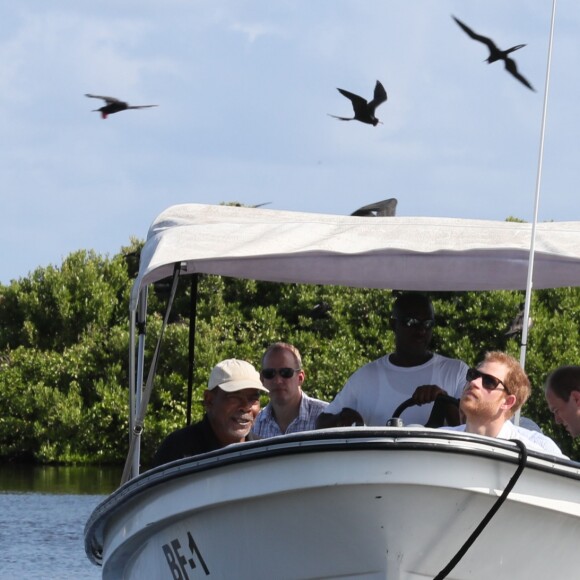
x=494 y=391
x=562 y=391
x=374 y=391
x=290 y=409
x=231 y=401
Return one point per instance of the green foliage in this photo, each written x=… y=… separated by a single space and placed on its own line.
x=64 y=341
x=64 y=347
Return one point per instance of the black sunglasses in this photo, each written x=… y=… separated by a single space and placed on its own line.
x=416 y=323
x=489 y=382
x=285 y=373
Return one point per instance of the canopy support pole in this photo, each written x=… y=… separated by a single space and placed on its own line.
x=192 y=321
x=143 y=395
x=137 y=323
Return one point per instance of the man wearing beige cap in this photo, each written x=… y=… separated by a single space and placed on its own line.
x=231 y=401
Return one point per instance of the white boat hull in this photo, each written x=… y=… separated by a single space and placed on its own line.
x=354 y=503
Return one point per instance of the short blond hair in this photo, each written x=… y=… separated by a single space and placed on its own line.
x=277 y=346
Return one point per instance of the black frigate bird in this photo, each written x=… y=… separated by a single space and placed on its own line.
x=496 y=54
x=364 y=111
x=114 y=105
x=383 y=208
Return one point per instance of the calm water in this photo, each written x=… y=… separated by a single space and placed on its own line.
x=42 y=517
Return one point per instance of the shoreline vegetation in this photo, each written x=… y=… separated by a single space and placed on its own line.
x=51 y=479
x=64 y=348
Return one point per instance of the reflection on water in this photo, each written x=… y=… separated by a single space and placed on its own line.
x=58 y=479
x=43 y=515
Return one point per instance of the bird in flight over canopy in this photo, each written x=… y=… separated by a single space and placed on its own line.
x=364 y=111
x=114 y=105
x=496 y=54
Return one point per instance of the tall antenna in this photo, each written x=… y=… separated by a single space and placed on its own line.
x=537 y=202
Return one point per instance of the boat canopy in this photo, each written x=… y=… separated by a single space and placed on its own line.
x=406 y=253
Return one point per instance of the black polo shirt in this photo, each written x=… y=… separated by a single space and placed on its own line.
x=187 y=441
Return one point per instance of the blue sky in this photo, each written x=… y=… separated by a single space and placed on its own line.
x=244 y=88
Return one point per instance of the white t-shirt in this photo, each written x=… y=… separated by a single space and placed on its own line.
x=533 y=440
x=379 y=387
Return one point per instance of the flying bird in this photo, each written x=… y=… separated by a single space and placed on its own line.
x=496 y=54
x=364 y=111
x=384 y=208
x=114 y=105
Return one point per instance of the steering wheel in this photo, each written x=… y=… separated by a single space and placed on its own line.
x=445 y=411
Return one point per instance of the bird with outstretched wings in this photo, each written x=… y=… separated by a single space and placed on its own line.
x=496 y=54
x=364 y=111
x=114 y=105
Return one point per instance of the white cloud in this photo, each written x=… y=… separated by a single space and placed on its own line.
x=244 y=88
x=255 y=30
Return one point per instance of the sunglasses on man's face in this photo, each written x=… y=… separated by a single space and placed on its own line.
x=416 y=323
x=488 y=382
x=285 y=373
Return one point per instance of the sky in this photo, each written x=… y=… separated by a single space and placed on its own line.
x=245 y=89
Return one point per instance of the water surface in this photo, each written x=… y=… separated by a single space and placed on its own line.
x=43 y=515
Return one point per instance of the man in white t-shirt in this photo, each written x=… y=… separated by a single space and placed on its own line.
x=373 y=392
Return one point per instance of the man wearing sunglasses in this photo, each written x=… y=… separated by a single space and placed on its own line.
x=374 y=391
x=290 y=409
x=231 y=402
x=494 y=391
x=563 y=396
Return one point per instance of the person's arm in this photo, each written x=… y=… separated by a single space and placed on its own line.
x=346 y=418
x=427 y=394
x=445 y=411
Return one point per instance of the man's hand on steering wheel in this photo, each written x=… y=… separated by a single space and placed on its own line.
x=427 y=394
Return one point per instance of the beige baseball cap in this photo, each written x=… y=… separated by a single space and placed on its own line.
x=232 y=375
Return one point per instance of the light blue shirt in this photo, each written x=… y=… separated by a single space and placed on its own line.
x=534 y=440
x=266 y=425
